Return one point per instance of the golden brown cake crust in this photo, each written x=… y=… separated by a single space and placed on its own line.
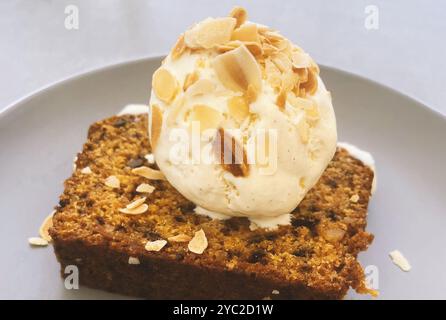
x=314 y=258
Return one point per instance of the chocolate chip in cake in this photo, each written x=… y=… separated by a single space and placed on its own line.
x=332 y=183
x=120 y=123
x=179 y=256
x=179 y=219
x=135 y=163
x=258 y=255
x=304 y=222
x=303 y=252
x=187 y=207
x=100 y=220
x=152 y=235
x=63 y=202
x=332 y=215
x=232 y=224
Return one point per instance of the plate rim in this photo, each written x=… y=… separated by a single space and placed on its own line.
x=76 y=76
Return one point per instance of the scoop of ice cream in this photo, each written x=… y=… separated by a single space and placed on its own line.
x=240 y=122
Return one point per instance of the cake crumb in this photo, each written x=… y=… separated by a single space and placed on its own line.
x=399 y=260
x=354 y=198
x=86 y=170
x=133 y=260
x=37 y=242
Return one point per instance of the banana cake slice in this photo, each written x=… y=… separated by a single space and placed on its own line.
x=130 y=232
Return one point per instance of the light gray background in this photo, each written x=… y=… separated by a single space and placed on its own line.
x=407 y=52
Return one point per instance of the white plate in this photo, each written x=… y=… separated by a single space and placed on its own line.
x=40 y=134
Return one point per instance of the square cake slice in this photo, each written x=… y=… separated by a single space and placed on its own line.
x=149 y=254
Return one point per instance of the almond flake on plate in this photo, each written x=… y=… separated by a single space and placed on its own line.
x=133 y=260
x=112 y=182
x=180 y=238
x=199 y=242
x=149 y=173
x=399 y=260
x=145 y=188
x=156 y=245
x=86 y=170
x=37 y=242
x=46 y=225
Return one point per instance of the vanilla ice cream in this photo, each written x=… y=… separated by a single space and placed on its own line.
x=241 y=92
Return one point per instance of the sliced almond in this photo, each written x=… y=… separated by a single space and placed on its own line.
x=238 y=108
x=156 y=245
x=180 y=238
x=136 y=203
x=231 y=154
x=145 y=188
x=46 y=225
x=112 y=182
x=155 y=124
x=190 y=79
x=246 y=33
x=179 y=48
x=281 y=99
x=310 y=86
x=239 y=14
x=149 y=173
x=133 y=260
x=164 y=85
x=86 y=170
x=208 y=117
x=199 y=242
x=37 y=242
x=210 y=33
x=138 y=210
x=282 y=61
x=237 y=69
x=301 y=60
x=200 y=87
x=150 y=157
x=175 y=110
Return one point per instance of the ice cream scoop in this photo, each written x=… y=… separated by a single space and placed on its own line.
x=240 y=122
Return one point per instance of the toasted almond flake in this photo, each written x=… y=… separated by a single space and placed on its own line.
x=175 y=110
x=231 y=154
x=190 y=79
x=112 y=182
x=239 y=14
x=156 y=245
x=135 y=204
x=300 y=103
x=237 y=69
x=282 y=61
x=86 y=170
x=208 y=117
x=138 y=210
x=281 y=99
x=155 y=125
x=238 y=108
x=200 y=87
x=74 y=163
x=145 y=188
x=179 y=48
x=149 y=173
x=164 y=85
x=354 y=198
x=180 y=238
x=150 y=157
x=255 y=48
x=134 y=260
x=37 y=242
x=301 y=60
x=275 y=292
x=310 y=86
x=199 y=242
x=246 y=33
x=399 y=260
x=46 y=225
x=250 y=94
x=302 y=182
x=210 y=33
